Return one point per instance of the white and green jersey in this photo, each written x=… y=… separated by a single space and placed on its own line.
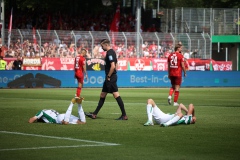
x=48 y=115
x=187 y=119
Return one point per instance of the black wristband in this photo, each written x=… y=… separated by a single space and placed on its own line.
x=108 y=76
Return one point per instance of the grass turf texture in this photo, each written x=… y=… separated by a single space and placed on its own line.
x=216 y=135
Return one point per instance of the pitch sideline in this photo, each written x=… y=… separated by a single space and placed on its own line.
x=96 y=143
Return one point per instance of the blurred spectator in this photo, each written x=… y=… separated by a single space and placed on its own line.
x=72 y=48
x=62 y=45
x=153 y=48
x=187 y=54
x=8 y=55
x=167 y=53
x=145 y=45
x=17 y=64
x=146 y=52
x=3 y=63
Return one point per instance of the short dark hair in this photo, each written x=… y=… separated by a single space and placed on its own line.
x=104 y=41
x=1 y=57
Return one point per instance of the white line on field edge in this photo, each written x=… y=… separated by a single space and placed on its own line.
x=61 y=138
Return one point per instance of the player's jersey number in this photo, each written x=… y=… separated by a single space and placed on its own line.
x=173 y=61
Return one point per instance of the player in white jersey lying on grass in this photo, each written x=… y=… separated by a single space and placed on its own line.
x=52 y=116
x=163 y=119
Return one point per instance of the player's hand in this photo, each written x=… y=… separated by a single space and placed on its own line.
x=185 y=74
x=86 y=76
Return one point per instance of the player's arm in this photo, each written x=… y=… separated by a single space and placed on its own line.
x=113 y=66
x=191 y=111
x=183 y=108
x=32 y=119
x=85 y=69
x=168 y=69
x=74 y=67
x=117 y=66
x=183 y=68
x=37 y=116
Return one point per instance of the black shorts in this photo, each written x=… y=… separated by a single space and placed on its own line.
x=110 y=86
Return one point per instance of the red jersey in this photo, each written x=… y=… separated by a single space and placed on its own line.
x=80 y=61
x=174 y=60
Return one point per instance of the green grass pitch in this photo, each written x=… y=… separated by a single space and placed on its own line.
x=216 y=135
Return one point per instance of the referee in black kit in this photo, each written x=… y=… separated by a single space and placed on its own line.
x=110 y=83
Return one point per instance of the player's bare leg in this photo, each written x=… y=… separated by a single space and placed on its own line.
x=69 y=111
x=150 y=105
x=171 y=90
x=81 y=115
x=176 y=95
x=78 y=91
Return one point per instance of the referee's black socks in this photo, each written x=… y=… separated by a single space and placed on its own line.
x=121 y=105
x=100 y=104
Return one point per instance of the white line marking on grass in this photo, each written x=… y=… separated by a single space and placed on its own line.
x=61 y=138
x=51 y=147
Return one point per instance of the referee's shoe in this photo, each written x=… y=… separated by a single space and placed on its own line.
x=122 y=118
x=90 y=115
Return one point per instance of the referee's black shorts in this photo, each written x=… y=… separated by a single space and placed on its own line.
x=110 y=86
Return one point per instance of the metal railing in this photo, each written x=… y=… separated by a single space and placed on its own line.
x=219 y=21
x=127 y=44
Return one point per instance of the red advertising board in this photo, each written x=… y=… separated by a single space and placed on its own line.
x=159 y=64
x=123 y=64
x=139 y=64
x=222 y=66
x=126 y=64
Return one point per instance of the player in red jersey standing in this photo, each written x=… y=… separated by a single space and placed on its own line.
x=80 y=70
x=175 y=68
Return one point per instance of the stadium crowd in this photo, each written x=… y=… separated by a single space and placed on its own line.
x=149 y=49
x=66 y=48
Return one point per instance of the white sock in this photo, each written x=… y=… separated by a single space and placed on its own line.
x=169 y=97
x=68 y=112
x=173 y=120
x=81 y=114
x=149 y=112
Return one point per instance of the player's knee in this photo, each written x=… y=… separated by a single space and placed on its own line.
x=116 y=95
x=103 y=95
x=191 y=106
x=80 y=122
